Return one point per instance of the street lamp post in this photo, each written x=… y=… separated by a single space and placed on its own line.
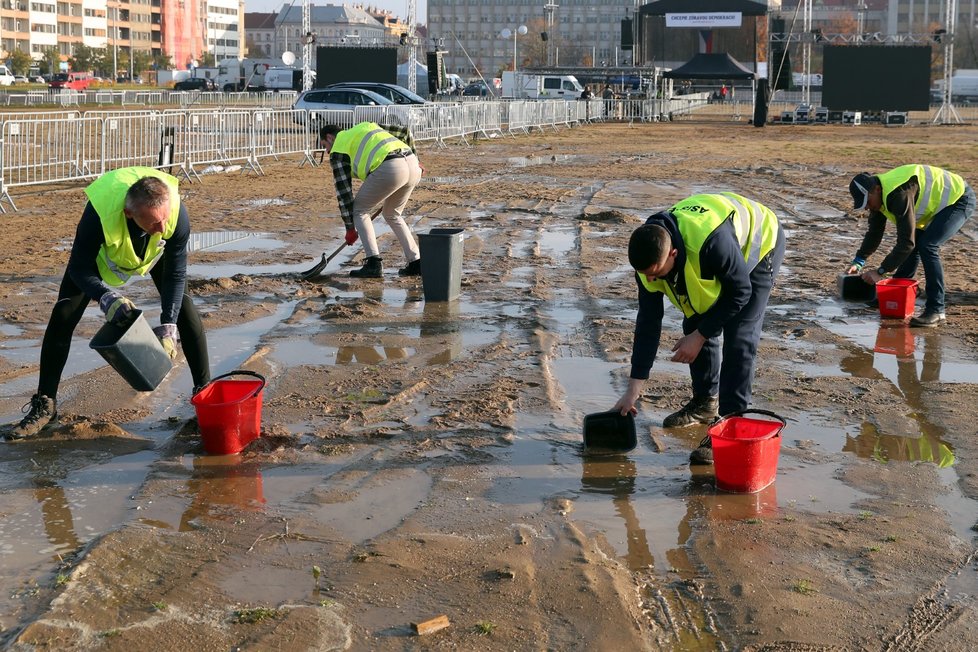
x=521 y=30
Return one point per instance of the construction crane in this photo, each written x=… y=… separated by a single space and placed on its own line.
x=412 y=62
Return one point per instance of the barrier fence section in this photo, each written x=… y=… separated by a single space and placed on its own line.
x=45 y=151
x=49 y=147
x=145 y=138
x=277 y=132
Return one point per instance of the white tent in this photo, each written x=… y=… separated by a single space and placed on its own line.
x=422 y=77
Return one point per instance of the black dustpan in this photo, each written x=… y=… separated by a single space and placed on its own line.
x=609 y=432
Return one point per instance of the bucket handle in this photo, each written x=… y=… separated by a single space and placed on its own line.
x=766 y=413
x=242 y=372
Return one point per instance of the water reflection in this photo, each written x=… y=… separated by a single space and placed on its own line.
x=895 y=340
x=614 y=475
x=912 y=378
x=56 y=514
x=440 y=319
x=369 y=354
x=220 y=482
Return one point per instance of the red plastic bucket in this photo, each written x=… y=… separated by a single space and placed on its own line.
x=745 y=451
x=896 y=297
x=229 y=412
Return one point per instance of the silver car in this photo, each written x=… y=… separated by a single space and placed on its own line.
x=335 y=99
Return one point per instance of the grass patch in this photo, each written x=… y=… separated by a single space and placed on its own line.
x=485 y=628
x=256 y=615
x=805 y=587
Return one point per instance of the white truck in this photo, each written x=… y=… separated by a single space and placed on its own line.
x=540 y=87
x=243 y=74
x=964 y=86
x=283 y=79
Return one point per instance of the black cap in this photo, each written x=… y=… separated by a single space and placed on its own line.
x=859 y=188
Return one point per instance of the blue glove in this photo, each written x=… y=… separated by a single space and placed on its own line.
x=117 y=308
x=167 y=333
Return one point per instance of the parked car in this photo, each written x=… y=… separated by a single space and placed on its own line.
x=21 y=79
x=337 y=99
x=195 y=84
x=393 y=92
x=39 y=79
x=477 y=89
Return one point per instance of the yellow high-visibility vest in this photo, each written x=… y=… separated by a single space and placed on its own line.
x=698 y=217
x=117 y=260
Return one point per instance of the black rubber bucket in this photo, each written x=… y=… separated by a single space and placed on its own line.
x=852 y=287
x=134 y=352
x=609 y=432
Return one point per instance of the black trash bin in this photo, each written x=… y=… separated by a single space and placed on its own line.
x=441 y=263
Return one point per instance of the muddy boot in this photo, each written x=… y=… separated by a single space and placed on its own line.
x=702 y=454
x=43 y=412
x=372 y=268
x=413 y=269
x=699 y=409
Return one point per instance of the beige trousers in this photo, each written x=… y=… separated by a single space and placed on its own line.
x=390 y=185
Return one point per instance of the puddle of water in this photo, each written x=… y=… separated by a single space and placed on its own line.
x=232 y=241
x=529 y=161
x=50 y=511
x=558 y=242
x=263 y=203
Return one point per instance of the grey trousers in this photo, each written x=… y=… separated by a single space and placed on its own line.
x=390 y=185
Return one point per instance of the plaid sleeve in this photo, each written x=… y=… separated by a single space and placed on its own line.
x=403 y=134
x=343 y=177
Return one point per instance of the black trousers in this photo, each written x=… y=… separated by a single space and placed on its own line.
x=68 y=311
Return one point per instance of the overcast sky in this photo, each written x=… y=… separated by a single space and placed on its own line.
x=399 y=7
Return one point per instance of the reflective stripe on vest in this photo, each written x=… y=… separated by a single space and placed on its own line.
x=938 y=190
x=117 y=260
x=367 y=145
x=756 y=228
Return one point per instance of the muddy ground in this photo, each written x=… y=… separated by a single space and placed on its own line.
x=423 y=459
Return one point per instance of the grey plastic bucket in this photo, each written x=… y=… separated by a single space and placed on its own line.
x=441 y=263
x=134 y=352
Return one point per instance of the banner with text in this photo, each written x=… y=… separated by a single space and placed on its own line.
x=717 y=19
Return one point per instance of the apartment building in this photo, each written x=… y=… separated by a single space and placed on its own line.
x=183 y=29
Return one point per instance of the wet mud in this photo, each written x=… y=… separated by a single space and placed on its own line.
x=424 y=458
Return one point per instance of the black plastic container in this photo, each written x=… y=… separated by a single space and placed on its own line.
x=853 y=288
x=134 y=352
x=609 y=431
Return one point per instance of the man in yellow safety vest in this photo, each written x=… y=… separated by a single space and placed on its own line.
x=133 y=224
x=384 y=159
x=715 y=256
x=928 y=205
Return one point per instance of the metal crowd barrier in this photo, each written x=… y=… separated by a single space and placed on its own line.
x=59 y=146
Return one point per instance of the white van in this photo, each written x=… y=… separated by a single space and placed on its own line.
x=6 y=77
x=283 y=79
x=544 y=87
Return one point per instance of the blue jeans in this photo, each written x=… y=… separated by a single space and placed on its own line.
x=928 y=250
